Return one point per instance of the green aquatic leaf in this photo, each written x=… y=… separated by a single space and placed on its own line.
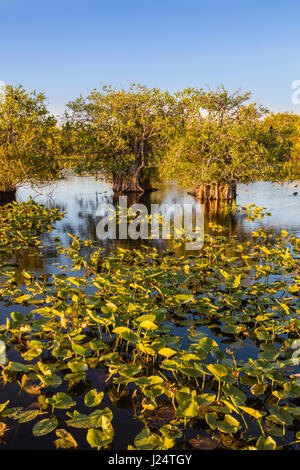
x=252 y=412
x=65 y=440
x=130 y=370
x=191 y=372
x=237 y=281
x=218 y=370
x=17 y=367
x=258 y=389
x=187 y=404
x=225 y=274
x=184 y=298
x=280 y=415
x=228 y=425
x=61 y=400
x=3 y=406
x=82 y=350
x=127 y=334
x=154 y=391
x=205 y=399
x=52 y=380
x=267 y=443
x=109 y=307
x=93 y=420
x=148 y=325
x=208 y=344
x=28 y=415
x=79 y=420
x=147 y=440
x=167 y=352
x=45 y=426
x=150 y=380
x=97 y=438
x=93 y=398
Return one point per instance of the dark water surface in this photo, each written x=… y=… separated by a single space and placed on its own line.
x=82 y=199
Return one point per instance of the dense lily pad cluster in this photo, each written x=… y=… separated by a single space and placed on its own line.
x=205 y=347
x=22 y=223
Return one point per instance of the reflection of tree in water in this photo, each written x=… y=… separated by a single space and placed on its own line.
x=57 y=205
x=85 y=227
x=27 y=259
x=92 y=204
x=83 y=215
x=219 y=214
x=81 y=219
x=235 y=222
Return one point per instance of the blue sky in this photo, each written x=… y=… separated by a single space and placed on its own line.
x=65 y=47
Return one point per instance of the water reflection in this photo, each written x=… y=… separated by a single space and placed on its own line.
x=80 y=197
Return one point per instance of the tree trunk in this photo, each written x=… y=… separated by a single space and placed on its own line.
x=7 y=187
x=130 y=184
x=215 y=191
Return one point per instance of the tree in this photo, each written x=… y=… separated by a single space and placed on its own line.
x=29 y=139
x=282 y=131
x=120 y=133
x=223 y=140
x=211 y=139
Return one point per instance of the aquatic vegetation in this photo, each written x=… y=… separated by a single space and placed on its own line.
x=253 y=211
x=22 y=223
x=204 y=348
x=250 y=211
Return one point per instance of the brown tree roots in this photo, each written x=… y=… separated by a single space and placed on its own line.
x=215 y=191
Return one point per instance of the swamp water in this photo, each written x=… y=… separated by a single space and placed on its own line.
x=80 y=198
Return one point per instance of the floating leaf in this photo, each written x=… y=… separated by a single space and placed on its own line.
x=167 y=352
x=127 y=334
x=93 y=398
x=45 y=426
x=97 y=438
x=218 y=370
x=266 y=443
x=65 y=441
x=61 y=400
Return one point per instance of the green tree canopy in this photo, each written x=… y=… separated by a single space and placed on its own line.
x=29 y=139
x=282 y=131
x=194 y=136
x=223 y=137
x=123 y=134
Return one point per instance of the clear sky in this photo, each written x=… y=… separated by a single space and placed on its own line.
x=65 y=48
